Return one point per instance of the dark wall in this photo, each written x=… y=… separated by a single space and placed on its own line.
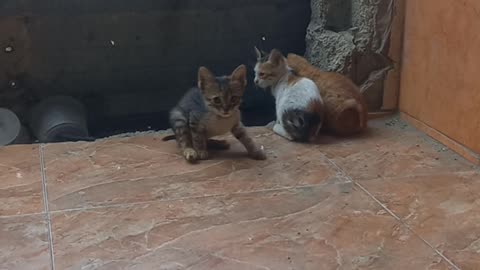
x=126 y=57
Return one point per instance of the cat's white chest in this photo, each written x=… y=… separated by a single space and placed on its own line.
x=217 y=125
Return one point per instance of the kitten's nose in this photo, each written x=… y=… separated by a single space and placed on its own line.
x=255 y=81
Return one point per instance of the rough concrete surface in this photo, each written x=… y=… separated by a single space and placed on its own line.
x=352 y=37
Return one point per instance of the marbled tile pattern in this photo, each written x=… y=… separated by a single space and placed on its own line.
x=24 y=243
x=21 y=180
x=133 y=203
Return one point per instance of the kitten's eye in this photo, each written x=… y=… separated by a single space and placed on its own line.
x=235 y=100
x=217 y=100
x=261 y=74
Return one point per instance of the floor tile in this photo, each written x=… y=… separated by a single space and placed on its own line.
x=24 y=243
x=443 y=208
x=21 y=181
x=300 y=228
x=141 y=169
x=392 y=148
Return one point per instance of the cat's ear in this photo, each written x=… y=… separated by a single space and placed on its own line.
x=240 y=75
x=204 y=76
x=258 y=53
x=276 y=57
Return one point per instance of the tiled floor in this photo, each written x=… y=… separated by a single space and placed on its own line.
x=133 y=203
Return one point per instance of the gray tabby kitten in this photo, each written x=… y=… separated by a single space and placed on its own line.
x=211 y=110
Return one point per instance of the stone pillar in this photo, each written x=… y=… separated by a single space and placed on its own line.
x=352 y=37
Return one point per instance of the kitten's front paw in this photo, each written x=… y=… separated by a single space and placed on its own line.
x=277 y=128
x=203 y=154
x=190 y=154
x=271 y=124
x=258 y=154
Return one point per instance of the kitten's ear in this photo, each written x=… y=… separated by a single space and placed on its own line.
x=204 y=76
x=258 y=53
x=276 y=57
x=240 y=75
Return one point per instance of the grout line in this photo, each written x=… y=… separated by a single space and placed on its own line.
x=427 y=174
x=23 y=215
x=131 y=204
x=45 y=204
x=407 y=226
x=393 y=214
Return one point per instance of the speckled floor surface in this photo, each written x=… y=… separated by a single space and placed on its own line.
x=133 y=203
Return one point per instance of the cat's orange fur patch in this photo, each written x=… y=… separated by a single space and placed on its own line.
x=345 y=108
x=316 y=107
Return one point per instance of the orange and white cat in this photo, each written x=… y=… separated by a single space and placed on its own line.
x=346 y=111
x=299 y=106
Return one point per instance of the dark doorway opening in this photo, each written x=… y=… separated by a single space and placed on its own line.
x=129 y=62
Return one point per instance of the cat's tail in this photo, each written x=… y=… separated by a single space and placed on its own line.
x=168 y=138
x=352 y=118
x=361 y=109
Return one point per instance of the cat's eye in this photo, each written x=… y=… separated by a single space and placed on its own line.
x=235 y=100
x=217 y=100
x=261 y=74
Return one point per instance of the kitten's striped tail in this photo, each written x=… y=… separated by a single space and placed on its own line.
x=168 y=138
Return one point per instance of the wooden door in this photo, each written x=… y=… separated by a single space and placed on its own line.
x=440 y=81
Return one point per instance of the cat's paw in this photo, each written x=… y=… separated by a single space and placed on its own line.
x=202 y=154
x=279 y=130
x=190 y=154
x=270 y=125
x=258 y=154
